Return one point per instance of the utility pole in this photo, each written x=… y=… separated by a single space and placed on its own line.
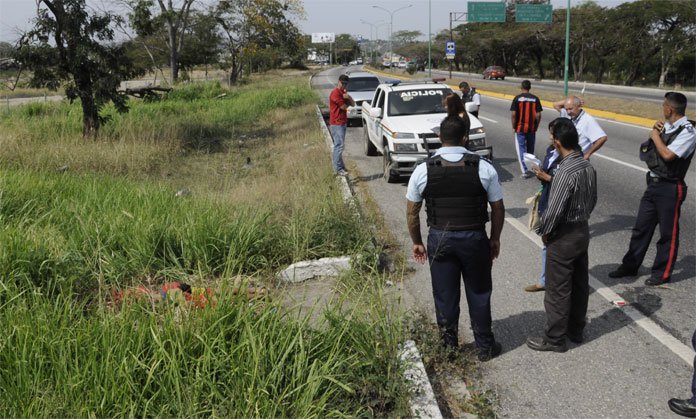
x=391 y=28
x=567 y=50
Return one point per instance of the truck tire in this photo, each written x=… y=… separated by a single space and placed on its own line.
x=370 y=149
x=389 y=175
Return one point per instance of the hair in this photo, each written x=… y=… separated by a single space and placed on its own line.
x=575 y=100
x=526 y=84
x=564 y=131
x=453 y=130
x=463 y=85
x=677 y=101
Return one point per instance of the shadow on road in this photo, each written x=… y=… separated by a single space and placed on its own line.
x=613 y=223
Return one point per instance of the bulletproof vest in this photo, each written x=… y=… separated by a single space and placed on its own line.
x=673 y=170
x=469 y=97
x=454 y=196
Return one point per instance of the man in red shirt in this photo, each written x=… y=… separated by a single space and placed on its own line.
x=339 y=101
x=526 y=114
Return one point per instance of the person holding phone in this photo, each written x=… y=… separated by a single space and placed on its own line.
x=339 y=101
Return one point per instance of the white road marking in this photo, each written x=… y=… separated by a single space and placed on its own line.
x=632 y=166
x=672 y=343
x=488 y=119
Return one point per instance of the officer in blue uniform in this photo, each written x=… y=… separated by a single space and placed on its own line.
x=457 y=186
x=667 y=154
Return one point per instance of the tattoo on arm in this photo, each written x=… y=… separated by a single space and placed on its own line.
x=413 y=220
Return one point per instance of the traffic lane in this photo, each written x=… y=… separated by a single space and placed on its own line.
x=618 y=361
x=619 y=191
x=580 y=88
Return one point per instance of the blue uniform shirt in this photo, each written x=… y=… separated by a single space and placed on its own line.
x=487 y=174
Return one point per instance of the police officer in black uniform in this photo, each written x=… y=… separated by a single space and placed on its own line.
x=667 y=154
x=457 y=186
x=469 y=94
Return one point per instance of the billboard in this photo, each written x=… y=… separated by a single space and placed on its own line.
x=323 y=37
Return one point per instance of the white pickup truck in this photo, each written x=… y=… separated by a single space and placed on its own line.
x=401 y=123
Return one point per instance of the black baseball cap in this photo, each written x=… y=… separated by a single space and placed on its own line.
x=343 y=78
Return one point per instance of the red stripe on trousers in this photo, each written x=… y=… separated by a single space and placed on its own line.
x=673 y=243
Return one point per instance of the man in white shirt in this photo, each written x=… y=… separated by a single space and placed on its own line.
x=591 y=135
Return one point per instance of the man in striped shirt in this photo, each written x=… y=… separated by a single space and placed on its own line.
x=526 y=114
x=564 y=230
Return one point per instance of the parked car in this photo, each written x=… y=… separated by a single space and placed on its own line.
x=361 y=87
x=494 y=72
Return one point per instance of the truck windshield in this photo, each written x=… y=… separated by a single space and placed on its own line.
x=363 y=84
x=417 y=102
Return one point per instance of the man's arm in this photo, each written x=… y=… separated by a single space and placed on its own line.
x=558 y=197
x=660 y=146
x=595 y=146
x=513 y=119
x=559 y=105
x=413 y=221
x=497 y=221
x=348 y=101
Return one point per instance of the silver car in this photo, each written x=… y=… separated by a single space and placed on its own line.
x=361 y=87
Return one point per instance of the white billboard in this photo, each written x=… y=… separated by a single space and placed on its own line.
x=323 y=37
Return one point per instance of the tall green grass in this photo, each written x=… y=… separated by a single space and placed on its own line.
x=237 y=359
x=110 y=218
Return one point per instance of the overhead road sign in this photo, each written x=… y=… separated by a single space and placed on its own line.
x=323 y=37
x=486 y=11
x=449 y=50
x=533 y=13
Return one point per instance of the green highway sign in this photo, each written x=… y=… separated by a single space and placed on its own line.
x=486 y=11
x=529 y=13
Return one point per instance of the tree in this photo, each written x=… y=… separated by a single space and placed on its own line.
x=252 y=27
x=174 y=18
x=203 y=45
x=67 y=46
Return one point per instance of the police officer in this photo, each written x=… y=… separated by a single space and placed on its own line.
x=667 y=154
x=457 y=185
x=469 y=95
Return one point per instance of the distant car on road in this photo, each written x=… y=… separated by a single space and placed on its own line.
x=361 y=87
x=494 y=72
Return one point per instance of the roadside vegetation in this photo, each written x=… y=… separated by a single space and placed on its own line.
x=211 y=186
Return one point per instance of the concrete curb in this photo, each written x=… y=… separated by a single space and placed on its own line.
x=629 y=119
x=423 y=402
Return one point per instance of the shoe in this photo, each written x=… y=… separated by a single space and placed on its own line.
x=486 y=354
x=575 y=338
x=622 y=271
x=534 y=288
x=538 y=343
x=342 y=173
x=682 y=407
x=654 y=281
x=527 y=175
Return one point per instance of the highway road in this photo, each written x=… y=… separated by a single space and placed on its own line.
x=634 y=358
x=582 y=88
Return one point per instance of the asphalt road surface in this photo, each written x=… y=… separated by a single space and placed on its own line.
x=634 y=358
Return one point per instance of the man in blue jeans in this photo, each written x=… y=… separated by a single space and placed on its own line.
x=687 y=407
x=525 y=116
x=339 y=101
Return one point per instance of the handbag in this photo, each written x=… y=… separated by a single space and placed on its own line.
x=534 y=218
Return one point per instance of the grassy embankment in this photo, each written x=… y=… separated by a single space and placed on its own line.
x=80 y=219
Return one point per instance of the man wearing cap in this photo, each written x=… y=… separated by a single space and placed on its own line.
x=339 y=101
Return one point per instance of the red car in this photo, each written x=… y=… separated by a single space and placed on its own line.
x=494 y=72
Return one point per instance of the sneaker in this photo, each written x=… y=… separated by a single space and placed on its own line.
x=622 y=271
x=527 y=175
x=654 y=281
x=342 y=173
x=534 y=288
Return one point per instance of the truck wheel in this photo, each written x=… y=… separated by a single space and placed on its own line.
x=370 y=149
x=389 y=174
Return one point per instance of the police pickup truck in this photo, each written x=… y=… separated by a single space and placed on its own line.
x=401 y=123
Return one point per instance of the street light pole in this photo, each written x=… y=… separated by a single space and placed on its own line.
x=567 y=50
x=391 y=27
x=430 y=39
x=373 y=25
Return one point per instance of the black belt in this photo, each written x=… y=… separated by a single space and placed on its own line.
x=653 y=179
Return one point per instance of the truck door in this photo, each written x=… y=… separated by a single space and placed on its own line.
x=375 y=127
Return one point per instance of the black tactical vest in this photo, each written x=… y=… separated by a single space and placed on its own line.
x=674 y=170
x=469 y=97
x=454 y=197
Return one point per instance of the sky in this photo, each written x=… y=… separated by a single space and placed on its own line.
x=333 y=16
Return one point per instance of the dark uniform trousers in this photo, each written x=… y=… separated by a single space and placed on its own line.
x=567 y=287
x=455 y=256
x=661 y=204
